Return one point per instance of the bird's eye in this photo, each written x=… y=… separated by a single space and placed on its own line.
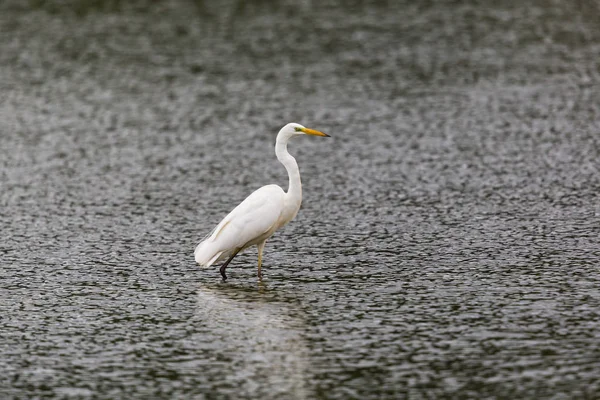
x=297 y=129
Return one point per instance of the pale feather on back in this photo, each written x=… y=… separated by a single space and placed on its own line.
x=250 y=223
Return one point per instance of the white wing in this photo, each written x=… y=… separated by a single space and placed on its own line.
x=247 y=224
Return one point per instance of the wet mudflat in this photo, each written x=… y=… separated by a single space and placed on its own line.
x=448 y=240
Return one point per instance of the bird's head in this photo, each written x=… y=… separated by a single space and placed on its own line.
x=293 y=129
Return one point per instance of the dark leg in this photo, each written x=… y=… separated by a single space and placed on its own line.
x=222 y=269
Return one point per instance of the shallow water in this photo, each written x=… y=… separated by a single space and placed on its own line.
x=448 y=241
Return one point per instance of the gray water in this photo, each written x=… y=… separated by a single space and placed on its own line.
x=447 y=245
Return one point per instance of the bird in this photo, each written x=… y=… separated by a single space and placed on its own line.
x=262 y=213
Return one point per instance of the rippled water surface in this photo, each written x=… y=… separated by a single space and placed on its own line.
x=447 y=245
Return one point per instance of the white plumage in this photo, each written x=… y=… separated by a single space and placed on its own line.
x=248 y=224
x=255 y=219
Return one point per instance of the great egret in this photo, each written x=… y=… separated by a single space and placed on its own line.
x=260 y=214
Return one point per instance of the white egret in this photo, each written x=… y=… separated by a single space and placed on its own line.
x=257 y=217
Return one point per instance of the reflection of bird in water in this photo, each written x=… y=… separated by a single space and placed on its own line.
x=263 y=212
x=260 y=332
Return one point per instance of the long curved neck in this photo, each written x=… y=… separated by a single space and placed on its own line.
x=289 y=162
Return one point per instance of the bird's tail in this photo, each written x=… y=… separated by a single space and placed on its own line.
x=206 y=254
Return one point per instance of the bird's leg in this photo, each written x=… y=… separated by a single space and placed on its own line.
x=260 y=246
x=222 y=269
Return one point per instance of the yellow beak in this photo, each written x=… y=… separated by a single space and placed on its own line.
x=313 y=132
